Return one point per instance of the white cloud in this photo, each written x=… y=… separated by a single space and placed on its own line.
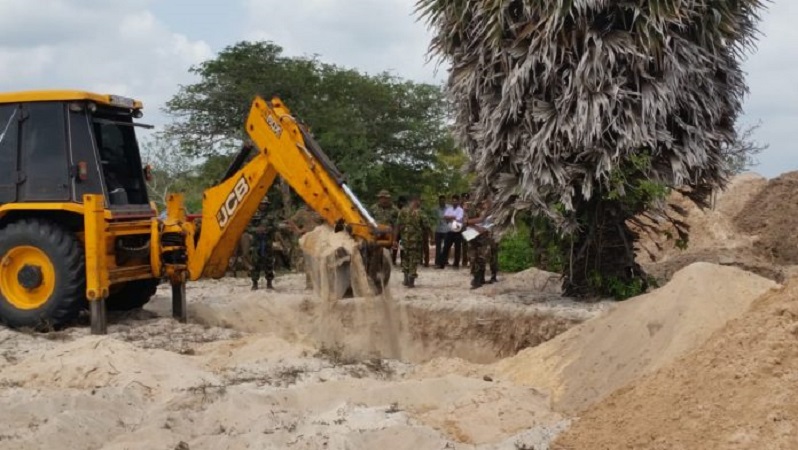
x=371 y=35
x=116 y=47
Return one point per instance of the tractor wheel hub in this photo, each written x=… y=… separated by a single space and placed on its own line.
x=30 y=276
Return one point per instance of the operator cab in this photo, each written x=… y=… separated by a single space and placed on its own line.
x=56 y=146
x=120 y=160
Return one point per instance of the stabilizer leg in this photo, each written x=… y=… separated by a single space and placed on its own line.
x=99 y=321
x=179 y=310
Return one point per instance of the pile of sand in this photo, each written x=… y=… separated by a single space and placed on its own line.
x=736 y=391
x=713 y=234
x=770 y=217
x=711 y=228
x=591 y=360
x=94 y=362
x=530 y=283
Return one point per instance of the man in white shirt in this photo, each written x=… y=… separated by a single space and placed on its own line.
x=441 y=229
x=454 y=214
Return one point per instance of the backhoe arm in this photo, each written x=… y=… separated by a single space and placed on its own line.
x=284 y=148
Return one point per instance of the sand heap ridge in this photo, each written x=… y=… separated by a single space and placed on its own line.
x=770 y=217
x=736 y=391
x=593 y=359
x=713 y=235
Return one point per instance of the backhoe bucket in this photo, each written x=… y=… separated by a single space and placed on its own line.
x=340 y=267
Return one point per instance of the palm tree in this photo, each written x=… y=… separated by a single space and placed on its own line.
x=581 y=110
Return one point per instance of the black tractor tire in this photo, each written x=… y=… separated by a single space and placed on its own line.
x=63 y=298
x=131 y=295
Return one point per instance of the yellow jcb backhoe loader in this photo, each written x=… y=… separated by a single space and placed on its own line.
x=77 y=228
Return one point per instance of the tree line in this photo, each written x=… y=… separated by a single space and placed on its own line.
x=383 y=132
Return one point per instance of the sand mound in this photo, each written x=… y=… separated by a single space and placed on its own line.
x=740 y=190
x=590 y=361
x=99 y=362
x=736 y=391
x=710 y=229
x=771 y=217
x=528 y=282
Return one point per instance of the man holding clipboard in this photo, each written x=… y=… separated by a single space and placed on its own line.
x=478 y=237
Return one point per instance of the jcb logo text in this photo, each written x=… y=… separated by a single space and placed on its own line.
x=232 y=202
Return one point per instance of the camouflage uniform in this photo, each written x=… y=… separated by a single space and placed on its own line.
x=261 y=251
x=467 y=206
x=429 y=216
x=412 y=222
x=478 y=251
x=385 y=216
x=493 y=259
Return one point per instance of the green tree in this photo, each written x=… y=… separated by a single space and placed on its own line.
x=381 y=131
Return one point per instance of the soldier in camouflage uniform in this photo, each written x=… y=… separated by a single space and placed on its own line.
x=386 y=213
x=467 y=204
x=411 y=223
x=479 y=247
x=262 y=228
x=493 y=260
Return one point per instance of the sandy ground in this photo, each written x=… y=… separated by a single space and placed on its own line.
x=706 y=361
x=282 y=370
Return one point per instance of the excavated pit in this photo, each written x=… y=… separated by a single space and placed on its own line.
x=409 y=330
x=336 y=306
x=341 y=312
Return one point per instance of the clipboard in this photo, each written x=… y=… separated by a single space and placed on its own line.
x=470 y=233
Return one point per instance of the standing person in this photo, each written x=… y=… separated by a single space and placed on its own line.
x=492 y=242
x=493 y=261
x=454 y=237
x=262 y=228
x=441 y=228
x=401 y=203
x=425 y=240
x=466 y=199
x=411 y=224
x=386 y=213
x=478 y=247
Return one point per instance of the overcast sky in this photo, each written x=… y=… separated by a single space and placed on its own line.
x=143 y=48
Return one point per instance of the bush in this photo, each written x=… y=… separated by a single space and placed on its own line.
x=515 y=251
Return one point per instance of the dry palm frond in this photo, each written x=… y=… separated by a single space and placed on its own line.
x=552 y=96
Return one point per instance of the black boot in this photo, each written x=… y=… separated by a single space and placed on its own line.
x=269 y=284
x=406 y=281
x=411 y=281
x=477 y=281
x=493 y=279
x=254 y=285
